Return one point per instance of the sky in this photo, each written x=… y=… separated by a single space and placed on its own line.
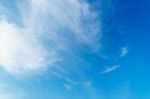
x=74 y=49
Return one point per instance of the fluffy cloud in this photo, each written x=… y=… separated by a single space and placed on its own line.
x=48 y=30
x=19 y=52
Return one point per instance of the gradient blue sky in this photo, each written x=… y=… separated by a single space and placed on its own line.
x=74 y=49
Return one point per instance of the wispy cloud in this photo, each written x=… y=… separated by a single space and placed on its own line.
x=19 y=52
x=73 y=84
x=48 y=29
x=110 y=69
x=124 y=51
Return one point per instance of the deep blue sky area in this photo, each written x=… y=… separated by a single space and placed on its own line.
x=72 y=49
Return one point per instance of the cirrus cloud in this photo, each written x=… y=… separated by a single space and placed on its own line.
x=48 y=30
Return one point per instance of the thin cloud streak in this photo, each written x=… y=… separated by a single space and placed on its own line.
x=124 y=51
x=110 y=69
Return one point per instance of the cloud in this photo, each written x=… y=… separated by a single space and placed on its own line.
x=124 y=51
x=46 y=33
x=87 y=84
x=68 y=86
x=73 y=84
x=19 y=52
x=110 y=69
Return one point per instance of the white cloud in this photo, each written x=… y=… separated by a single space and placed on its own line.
x=110 y=69
x=19 y=52
x=124 y=51
x=49 y=29
x=74 y=84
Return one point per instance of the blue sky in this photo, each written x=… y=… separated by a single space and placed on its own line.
x=74 y=49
